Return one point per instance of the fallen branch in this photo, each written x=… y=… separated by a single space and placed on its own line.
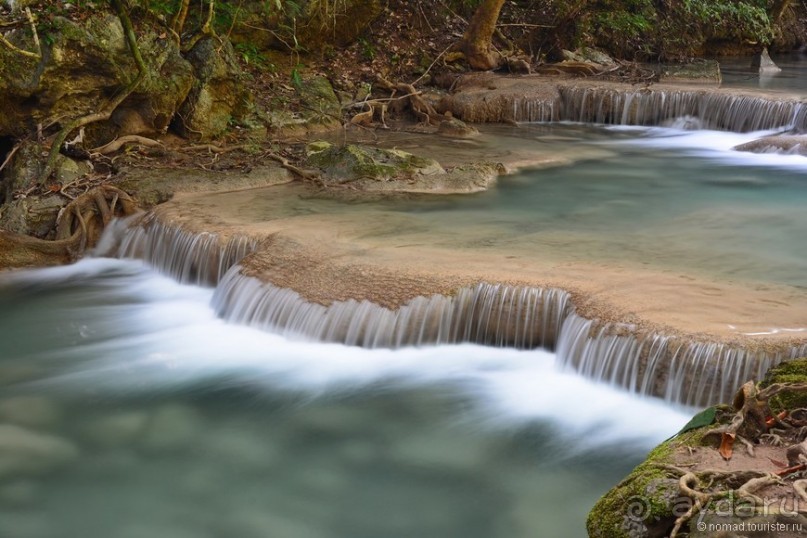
x=304 y=174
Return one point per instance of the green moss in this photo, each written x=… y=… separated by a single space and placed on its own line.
x=354 y=161
x=646 y=497
x=793 y=371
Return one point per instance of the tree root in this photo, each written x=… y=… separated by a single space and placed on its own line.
x=115 y=145
x=422 y=110
x=80 y=222
x=28 y=54
x=690 y=482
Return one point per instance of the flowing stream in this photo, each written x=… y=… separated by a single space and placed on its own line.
x=130 y=409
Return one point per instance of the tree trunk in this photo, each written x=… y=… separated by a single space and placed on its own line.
x=778 y=9
x=476 y=43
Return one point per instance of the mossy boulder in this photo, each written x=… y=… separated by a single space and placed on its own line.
x=320 y=105
x=317 y=25
x=336 y=24
x=344 y=164
x=792 y=371
x=368 y=168
x=646 y=503
x=82 y=65
x=217 y=97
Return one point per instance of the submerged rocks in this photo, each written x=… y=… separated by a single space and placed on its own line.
x=698 y=71
x=172 y=427
x=35 y=411
x=788 y=144
x=25 y=452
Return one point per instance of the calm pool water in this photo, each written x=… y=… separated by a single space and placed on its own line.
x=128 y=410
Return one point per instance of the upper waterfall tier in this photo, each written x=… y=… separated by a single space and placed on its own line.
x=488 y=98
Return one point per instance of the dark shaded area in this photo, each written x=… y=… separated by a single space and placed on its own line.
x=6 y=145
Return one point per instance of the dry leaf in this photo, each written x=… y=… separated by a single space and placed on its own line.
x=726 y=445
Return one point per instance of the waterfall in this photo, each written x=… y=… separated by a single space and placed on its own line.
x=716 y=110
x=527 y=100
x=677 y=369
x=680 y=370
x=190 y=258
x=489 y=314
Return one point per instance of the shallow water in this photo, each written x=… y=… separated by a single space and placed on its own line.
x=738 y=73
x=161 y=420
x=659 y=197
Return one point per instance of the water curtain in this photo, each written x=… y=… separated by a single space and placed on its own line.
x=680 y=370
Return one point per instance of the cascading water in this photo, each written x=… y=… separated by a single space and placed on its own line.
x=710 y=109
x=520 y=317
x=720 y=111
x=679 y=370
x=190 y=258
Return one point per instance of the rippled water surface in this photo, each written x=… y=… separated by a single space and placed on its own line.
x=128 y=410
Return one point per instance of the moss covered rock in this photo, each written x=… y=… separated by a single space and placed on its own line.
x=793 y=371
x=83 y=63
x=217 y=97
x=343 y=164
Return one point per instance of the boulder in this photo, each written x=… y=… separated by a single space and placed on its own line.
x=788 y=144
x=454 y=128
x=217 y=97
x=763 y=62
x=344 y=164
x=374 y=169
x=82 y=65
x=340 y=25
x=319 y=101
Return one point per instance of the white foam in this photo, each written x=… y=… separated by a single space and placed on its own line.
x=173 y=340
x=713 y=145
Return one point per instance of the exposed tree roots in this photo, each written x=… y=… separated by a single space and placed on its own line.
x=78 y=227
x=750 y=424
x=80 y=222
x=424 y=112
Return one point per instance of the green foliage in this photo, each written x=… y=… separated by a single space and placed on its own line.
x=163 y=8
x=296 y=78
x=367 y=49
x=250 y=55
x=647 y=29
x=731 y=19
